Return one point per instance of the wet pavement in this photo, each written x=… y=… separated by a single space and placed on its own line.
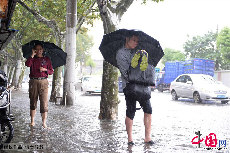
x=78 y=129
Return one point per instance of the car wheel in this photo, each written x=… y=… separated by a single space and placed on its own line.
x=196 y=97
x=174 y=95
x=224 y=101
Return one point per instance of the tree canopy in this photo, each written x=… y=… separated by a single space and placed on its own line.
x=30 y=28
x=84 y=43
x=223 y=45
x=172 y=55
x=203 y=47
x=49 y=11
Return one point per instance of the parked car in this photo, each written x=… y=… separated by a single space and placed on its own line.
x=199 y=87
x=91 y=84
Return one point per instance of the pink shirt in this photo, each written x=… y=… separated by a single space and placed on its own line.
x=35 y=64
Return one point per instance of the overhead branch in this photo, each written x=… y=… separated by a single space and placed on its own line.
x=112 y=9
x=105 y=14
x=36 y=15
x=83 y=17
x=121 y=7
x=5 y=53
x=50 y=23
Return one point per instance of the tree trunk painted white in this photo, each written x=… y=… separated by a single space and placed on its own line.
x=5 y=68
x=11 y=74
x=69 y=76
x=23 y=67
x=17 y=74
x=5 y=65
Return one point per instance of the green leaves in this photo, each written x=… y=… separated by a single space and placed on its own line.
x=144 y=1
x=84 y=43
x=223 y=45
x=212 y=46
x=202 y=47
x=172 y=55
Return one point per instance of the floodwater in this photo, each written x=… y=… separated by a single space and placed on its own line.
x=78 y=129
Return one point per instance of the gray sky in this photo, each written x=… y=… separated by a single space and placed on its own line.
x=171 y=21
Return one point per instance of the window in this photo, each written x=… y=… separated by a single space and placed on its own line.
x=187 y=78
x=181 y=79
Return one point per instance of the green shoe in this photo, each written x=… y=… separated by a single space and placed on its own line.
x=144 y=61
x=135 y=60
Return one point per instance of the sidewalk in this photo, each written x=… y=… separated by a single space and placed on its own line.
x=77 y=128
x=73 y=129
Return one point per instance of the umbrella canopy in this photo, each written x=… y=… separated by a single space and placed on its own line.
x=56 y=54
x=113 y=41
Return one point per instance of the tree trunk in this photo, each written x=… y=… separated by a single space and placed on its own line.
x=109 y=95
x=56 y=84
x=81 y=68
x=17 y=73
x=109 y=99
x=5 y=65
x=57 y=75
x=69 y=78
x=11 y=73
x=91 y=70
x=19 y=85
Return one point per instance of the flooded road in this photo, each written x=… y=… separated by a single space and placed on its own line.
x=78 y=129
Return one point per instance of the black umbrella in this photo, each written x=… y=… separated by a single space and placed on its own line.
x=115 y=40
x=56 y=54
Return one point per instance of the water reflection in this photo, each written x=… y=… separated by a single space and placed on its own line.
x=78 y=129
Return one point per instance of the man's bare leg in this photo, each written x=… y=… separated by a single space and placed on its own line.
x=44 y=117
x=129 y=126
x=147 y=123
x=32 y=115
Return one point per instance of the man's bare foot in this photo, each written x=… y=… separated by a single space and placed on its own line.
x=45 y=126
x=150 y=142
x=32 y=124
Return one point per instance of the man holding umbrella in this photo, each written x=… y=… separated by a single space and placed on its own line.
x=123 y=57
x=123 y=49
x=40 y=68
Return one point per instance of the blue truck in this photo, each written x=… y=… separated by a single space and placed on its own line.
x=173 y=69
